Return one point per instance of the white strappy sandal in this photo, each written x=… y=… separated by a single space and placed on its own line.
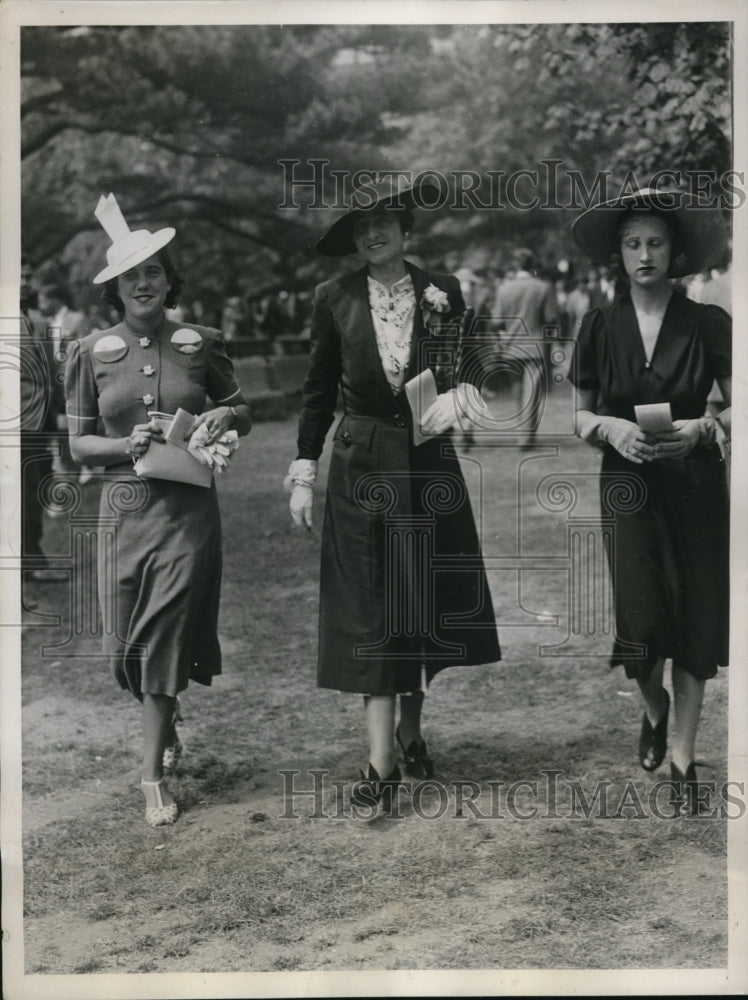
x=158 y=812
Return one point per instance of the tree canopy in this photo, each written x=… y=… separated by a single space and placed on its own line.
x=188 y=126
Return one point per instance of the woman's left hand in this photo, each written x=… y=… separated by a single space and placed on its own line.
x=218 y=421
x=679 y=442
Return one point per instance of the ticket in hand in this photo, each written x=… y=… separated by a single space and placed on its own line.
x=654 y=418
x=421 y=392
x=181 y=427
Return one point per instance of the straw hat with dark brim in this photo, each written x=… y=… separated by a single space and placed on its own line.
x=129 y=247
x=338 y=240
x=700 y=226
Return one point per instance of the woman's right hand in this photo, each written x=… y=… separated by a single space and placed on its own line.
x=628 y=439
x=299 y=485
x=141 y=436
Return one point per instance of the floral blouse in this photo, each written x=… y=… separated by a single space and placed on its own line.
x=392 y=311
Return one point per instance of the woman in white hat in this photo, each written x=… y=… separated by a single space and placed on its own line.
x=665 y=483
x=159 y=559
x=403 y=592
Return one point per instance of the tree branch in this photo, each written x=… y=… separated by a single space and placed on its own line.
x=40 y=101
x=51 y=131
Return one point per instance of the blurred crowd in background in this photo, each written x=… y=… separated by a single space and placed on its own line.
x=275 y=321
x=529 y=300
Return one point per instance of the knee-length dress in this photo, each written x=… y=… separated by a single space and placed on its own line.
x=159 y=542
x=402 y=580
x=670 y=555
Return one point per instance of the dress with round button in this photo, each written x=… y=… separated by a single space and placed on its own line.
x=159 y=594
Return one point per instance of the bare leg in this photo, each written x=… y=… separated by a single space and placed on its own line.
x=380 y=726
x=653 y=693
x=158 y=714
x=410 y=717
x=689 y=695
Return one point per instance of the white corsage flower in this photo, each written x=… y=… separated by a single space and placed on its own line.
x=435 y=299
x=435 y=309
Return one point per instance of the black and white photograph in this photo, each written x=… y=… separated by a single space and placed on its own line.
x=372 y=557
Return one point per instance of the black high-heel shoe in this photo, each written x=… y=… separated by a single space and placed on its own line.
x=653 y=740
x=418 y=764
x=685 y=795
x=372 y=790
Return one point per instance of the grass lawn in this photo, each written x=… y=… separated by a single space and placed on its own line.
x=237 y=885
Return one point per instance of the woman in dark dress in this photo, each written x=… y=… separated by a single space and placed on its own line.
x=403 y=592
x=159 y=559
x=670 y=559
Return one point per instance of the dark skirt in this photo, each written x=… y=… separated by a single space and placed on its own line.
x=402 y=583
x=669 y=561
x=159 y=568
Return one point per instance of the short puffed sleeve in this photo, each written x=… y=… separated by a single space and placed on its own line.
x=221 y=384
x=584 y=372
x=718 y=341
x=81 y=396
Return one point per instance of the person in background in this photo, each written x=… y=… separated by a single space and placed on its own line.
x=596 y=295
x=234 y=318
x=37 y=427
x=63 y=324
x=607 y=284
x=671 y=556
x=713 y=286
x=578 y=302
x=525 y=305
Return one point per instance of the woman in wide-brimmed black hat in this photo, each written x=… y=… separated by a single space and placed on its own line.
x=664 y=482
x=403 y=592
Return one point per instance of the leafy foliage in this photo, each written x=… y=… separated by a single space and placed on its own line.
x=187 y=126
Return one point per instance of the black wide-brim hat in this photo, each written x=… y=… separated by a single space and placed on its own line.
x=338 y=240
x=700 y=225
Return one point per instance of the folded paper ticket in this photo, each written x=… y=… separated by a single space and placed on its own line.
x=654 y=418
x=421 y=393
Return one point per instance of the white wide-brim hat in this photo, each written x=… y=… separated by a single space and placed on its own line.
x=700 y=225
x=129 y=247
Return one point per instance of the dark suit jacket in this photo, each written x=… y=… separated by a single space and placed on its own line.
x=380 y=483
x=523 y=306
x=344 y=355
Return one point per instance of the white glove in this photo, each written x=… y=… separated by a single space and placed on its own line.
x=442 y=414
x=300 y=504
x=453 y=408
x=215 y=456
x=471 y=405
x=299 y=483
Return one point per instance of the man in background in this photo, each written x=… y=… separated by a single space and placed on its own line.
x=37 y=424
x=525 y=305
x=63 y=324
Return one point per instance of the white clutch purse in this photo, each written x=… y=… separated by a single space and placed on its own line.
x=173 y=460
